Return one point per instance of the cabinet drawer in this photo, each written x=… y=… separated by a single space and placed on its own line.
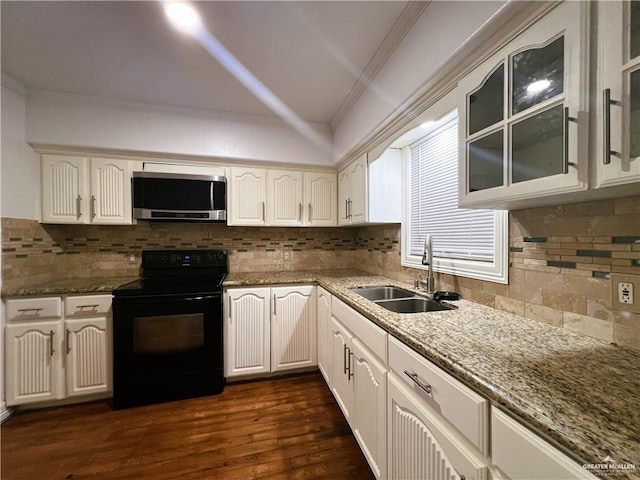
x=364 y=329
x=462 y=407
x=83 y=306
x=34 y=308
x=522 y=454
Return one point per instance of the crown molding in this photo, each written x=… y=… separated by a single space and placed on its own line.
x=497 y=31
x=399 y=30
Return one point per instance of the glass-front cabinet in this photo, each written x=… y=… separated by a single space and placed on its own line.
x=523 y=115
x=618 y=93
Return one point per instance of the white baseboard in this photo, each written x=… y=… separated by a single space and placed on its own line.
x=5 y=412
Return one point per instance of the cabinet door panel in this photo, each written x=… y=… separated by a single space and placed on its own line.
x=284 y=198
x=340 y=378
x=65 y=193
x=370 y=416
x=110 y=192
x=247 y=331
x=293 y=328
x=323 y=301
x=34 y=362
x=344 y=191
x=358 y=199
x=247 y=196
x=420 y=447
x=321 y=190
x=617 y=152
x=88 y=348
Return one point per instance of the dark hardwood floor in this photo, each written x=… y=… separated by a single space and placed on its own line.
x=285 y=428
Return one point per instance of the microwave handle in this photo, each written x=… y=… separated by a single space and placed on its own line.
x=211 y=196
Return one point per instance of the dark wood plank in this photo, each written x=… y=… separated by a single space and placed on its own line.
x=284 y=428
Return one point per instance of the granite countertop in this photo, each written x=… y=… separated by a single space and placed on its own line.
x=580 y=392
x=69 y=286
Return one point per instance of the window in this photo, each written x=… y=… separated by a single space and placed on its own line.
x=466 y=242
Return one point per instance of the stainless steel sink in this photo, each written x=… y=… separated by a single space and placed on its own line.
x=382 y=293
x=399 y=300
x=414 y=305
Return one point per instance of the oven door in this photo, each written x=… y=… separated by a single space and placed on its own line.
x=166 y=347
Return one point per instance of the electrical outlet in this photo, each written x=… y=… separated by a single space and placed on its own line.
x=132 y=258
x=286 y=256
x=623 y=290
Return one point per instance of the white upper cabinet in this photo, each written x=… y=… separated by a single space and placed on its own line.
x=86 y=190
x=320 y=199
x=247 y=203
x=284 y=198
x=370 y=191
x=617 y=153
x=110 y=201
x=65 y=190
x=523 y=122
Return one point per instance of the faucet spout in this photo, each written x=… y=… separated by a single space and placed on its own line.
x=427 y=259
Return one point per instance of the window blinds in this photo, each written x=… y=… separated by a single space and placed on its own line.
x=457 y=233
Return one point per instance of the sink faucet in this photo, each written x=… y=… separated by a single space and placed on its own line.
x=427 y=259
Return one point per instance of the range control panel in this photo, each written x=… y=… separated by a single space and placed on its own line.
x=183 y=259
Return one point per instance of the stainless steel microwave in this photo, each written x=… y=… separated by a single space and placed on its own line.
x=179 y=197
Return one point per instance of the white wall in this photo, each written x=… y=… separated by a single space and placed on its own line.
x=441 y=29
x=69 y=120
x=19 y=164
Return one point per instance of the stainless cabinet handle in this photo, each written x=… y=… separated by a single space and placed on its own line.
x=606 y=126
x=350 y=374
x=264 y=216
x=78 y=207
x=93 y=206
x=346 y=208
x=92 y=306
x=565 y=155
x=67 y=340
x=414 y=377
x=310 y=213
x=34 y=310
x=51 y=349
x=344 y=358
x=274 y=304
x=350 y=214
x=300 y=212
x=230 y=307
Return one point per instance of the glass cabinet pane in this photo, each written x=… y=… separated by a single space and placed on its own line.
x=538 y=74
x=634 y=113
x=486 y=105
x=486 y=162
x=537 y=146
x=634 y=30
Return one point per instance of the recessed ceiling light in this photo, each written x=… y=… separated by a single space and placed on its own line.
x=183 y=16
x=538 y=86
x=427 y=124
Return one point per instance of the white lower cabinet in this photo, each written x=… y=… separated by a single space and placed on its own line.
x=293 y=328
x=269 y=330
x=88 y=356
x=359 y=381
x=522 y=455
x=323 y=309
x=421 y=446
x=247 y=331
x=51 y=354
x=34 y=362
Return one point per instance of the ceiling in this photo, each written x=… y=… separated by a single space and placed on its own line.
x=309 y=54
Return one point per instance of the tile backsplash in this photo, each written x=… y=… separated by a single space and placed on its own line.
x=560 y=258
